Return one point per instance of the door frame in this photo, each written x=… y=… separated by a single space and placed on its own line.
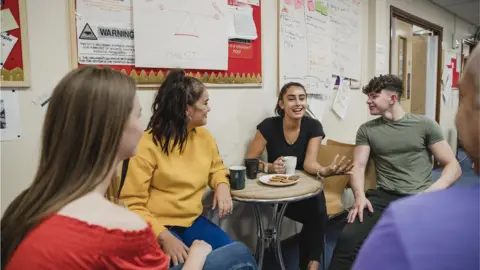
x=396 y=13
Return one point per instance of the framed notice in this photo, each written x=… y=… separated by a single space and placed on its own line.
x=14 y=60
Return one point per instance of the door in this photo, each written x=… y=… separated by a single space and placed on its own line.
x=431 y=83
x=418 y=90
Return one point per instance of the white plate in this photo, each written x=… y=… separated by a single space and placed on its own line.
x=266 y=180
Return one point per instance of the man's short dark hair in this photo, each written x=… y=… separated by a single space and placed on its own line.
x=388 y=82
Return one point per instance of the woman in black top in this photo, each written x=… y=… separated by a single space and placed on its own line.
x=292 y=133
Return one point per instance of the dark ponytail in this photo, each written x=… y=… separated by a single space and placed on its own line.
x=279 y=111
x=169 y=121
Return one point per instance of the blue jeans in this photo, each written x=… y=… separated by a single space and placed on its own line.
x=234 y=256
x=202 y=229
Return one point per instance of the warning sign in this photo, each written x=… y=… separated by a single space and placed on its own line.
x=87 y=33
x=112 y=32
x=100 y=44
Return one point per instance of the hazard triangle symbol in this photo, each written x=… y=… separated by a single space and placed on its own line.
x=87 y=33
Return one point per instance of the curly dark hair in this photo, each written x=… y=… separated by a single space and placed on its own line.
x=388 y=82
x=279 y=111
x=169 y=120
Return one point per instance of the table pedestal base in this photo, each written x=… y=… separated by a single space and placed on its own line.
x=270 y=237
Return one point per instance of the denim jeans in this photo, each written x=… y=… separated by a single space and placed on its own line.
x=234 y=256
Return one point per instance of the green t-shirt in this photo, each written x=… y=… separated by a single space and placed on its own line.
x=399 y=148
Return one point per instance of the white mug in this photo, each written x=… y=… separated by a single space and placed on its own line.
x=290 y=163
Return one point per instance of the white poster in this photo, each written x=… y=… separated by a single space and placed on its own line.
x=105 y=32
x=190 y=34
x=340 y=104
x=10 y=127
x=8 y=42
x=346 y=30
x=317 y=104
x=380 y=57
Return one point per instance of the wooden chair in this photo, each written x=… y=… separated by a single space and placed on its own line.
x=334 y=186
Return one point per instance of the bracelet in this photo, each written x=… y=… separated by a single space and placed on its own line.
x=265 y=167
x=319 y=176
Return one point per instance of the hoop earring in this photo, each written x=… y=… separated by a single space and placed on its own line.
x=189 y=118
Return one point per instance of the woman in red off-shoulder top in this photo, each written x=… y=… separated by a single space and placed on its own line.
x=63 y=221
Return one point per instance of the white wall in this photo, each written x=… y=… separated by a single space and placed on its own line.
x=235 y=112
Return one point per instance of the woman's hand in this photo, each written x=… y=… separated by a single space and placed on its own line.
x=337 y=167
x=200 y=248
x=173 y=247
x=197 y=256
x=278 y=165
x=223 y=200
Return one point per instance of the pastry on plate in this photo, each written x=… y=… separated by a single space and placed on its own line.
x=278 y=178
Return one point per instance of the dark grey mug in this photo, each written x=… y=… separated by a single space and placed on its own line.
x=237 y=177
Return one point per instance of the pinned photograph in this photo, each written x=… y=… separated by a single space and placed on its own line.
x=3 y=121
x=10 y=128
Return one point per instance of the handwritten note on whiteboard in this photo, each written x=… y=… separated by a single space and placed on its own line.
x=304 y=48
x=345 y=29
x=191 y=34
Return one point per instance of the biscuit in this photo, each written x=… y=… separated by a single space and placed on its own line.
x=278 y=178
x=294 y=177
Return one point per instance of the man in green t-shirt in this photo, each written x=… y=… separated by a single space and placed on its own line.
x=401 y=146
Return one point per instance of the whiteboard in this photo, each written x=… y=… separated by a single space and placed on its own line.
x=345 y=30
x=189 y=34
x=318 y=39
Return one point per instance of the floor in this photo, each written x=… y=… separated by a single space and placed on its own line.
x=290 y=248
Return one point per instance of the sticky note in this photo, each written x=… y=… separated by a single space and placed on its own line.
x=7 y=43
x=298 y=3
x=311 y=5
x=7 y=21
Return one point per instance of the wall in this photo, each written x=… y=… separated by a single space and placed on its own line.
x=235 y=112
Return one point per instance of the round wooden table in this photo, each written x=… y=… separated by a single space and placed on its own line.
x=258 y=193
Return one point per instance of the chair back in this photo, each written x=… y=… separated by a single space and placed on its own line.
x=334 y=186
x=370 y=174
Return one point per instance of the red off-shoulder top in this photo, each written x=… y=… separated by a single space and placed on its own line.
x=61 y=242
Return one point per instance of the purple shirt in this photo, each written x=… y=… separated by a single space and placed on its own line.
x=437 y=230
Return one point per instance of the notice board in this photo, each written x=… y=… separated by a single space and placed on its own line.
x=14 y=52
x=244 y=68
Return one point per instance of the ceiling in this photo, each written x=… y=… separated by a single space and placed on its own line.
x=469 y=10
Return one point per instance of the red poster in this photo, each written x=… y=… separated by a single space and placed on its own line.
x=240 y=50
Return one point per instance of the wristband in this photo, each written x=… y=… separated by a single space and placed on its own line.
x=319 y=176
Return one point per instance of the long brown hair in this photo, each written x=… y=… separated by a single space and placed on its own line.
x=81 y=136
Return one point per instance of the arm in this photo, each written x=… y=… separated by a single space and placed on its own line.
x=135 y=192
x=256 y=148
x=360 y=160
x=310 y=165
x=442 y=152
x=194 y=261
x=451 y=169
x=218 y=172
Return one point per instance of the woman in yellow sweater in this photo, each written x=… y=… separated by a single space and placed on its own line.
x=175 y=161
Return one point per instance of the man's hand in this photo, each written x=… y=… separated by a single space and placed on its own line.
x=173 y=247
x=361 y=202
x=223 y=200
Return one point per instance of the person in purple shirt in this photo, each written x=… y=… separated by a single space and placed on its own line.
x=436 y=230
